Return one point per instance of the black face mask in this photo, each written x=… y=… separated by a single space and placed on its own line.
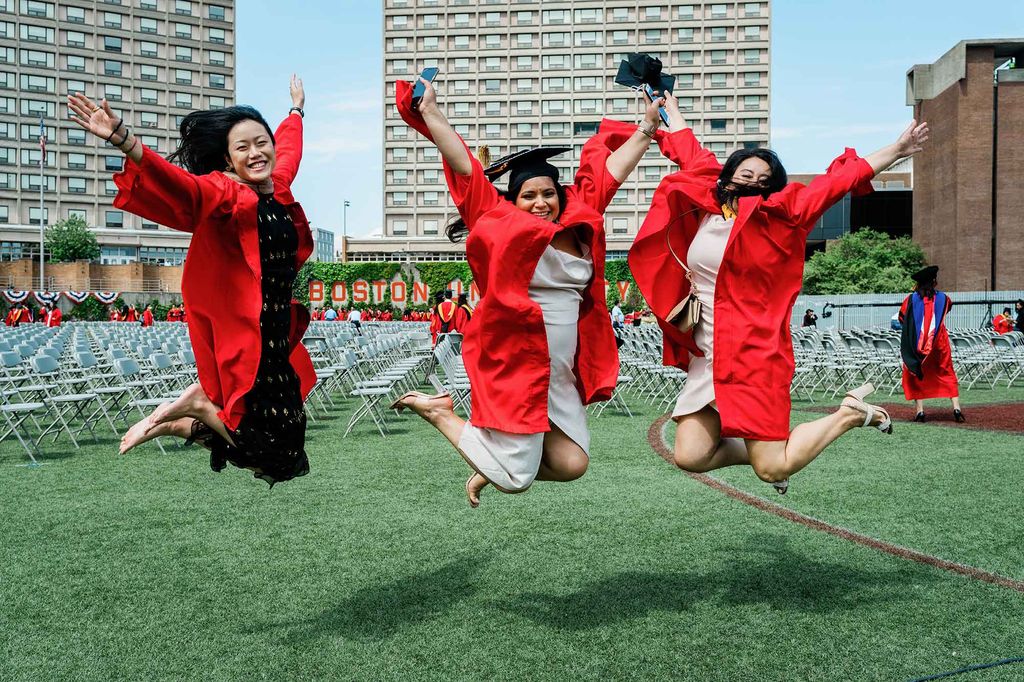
x=727 y=196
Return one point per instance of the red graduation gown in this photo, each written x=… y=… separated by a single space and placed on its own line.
x=147 y=318
x=223 y=263
x=53 y=317
x=505 y=346
x=938 y=378
x=445 y=311
x=758 y=281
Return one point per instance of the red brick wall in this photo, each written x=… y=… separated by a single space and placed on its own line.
x=953 y=178
x=1010 y=187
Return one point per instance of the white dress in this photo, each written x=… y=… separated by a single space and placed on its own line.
x=510 y=460
x=704 y=258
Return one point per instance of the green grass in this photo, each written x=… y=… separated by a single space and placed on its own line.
x=373 y=567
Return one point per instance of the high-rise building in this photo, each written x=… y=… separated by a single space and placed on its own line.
x=518 y=74
x=968 y=207
x=154 y=60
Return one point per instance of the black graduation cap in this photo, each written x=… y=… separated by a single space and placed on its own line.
x=529 y=163
x=639 y=68
x=926 y=275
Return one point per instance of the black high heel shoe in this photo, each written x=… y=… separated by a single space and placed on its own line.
x=959 y=416
x=920 y=418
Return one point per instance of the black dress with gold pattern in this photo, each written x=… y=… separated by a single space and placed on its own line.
x=270 y=438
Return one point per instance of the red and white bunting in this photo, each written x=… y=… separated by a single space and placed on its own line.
x=106 y=297
x=77 y=297
x=47 y=296
x=15 y=296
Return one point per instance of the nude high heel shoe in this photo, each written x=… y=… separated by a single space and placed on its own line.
x=400 y=405
x=855 y=399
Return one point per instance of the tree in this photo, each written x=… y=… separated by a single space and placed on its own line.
x=864 y=262
x=69 y=240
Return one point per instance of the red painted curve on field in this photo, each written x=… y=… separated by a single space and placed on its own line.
x=657 y=442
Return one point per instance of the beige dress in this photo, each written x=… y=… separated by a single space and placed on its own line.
x=704 y=258
x=511 y=460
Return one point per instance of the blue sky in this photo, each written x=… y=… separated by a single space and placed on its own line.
x=838 y=79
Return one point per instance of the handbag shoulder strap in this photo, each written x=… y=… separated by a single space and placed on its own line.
x=668 y=243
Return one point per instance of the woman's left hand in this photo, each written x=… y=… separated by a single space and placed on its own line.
x=651 y=116
x=912 y=140
x=297 y=93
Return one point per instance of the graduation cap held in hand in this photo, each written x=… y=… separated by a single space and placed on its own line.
x=529 y=163
x=639 y=69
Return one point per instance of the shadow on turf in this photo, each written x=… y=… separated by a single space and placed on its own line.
x=765 y=572
x=378 y=612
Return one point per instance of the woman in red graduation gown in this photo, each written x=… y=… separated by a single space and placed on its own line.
x=741 y=230
x=249 y=237
x=147 y=316
x=464 y=313
x=540 y=345
x=924 y=345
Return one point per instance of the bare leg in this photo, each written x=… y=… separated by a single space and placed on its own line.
x=193 y=403
x=918 y=406
x=956 y=403
x=144 y=431
x=563 y=459
x=778 y=460
x=699 y=446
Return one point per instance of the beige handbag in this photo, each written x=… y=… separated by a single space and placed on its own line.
x=685 y=316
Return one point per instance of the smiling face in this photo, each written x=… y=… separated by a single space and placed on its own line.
x=539 y=197
x=752 y=172
x=250 y=151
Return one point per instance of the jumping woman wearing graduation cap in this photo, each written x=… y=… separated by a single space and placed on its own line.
x=924 y=345
x=540 y=345
x=720 y=260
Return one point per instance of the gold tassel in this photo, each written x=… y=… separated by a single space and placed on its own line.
x=484 y=154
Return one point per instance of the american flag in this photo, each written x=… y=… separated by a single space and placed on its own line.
x=42 y=141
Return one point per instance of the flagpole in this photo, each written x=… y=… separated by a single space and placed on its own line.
x=42 y=209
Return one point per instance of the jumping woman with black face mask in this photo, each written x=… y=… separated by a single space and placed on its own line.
x=735 y=236
x=249 y=237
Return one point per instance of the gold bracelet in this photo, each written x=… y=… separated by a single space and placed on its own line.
x=649 y=132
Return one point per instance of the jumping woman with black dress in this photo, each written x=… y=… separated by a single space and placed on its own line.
x=250 y=236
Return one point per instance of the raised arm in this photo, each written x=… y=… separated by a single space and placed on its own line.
x=150 y=186
x=910 y=142
x=288 y=136
x=847 y=173
x=623 y=160
x=680 y=146
x=472 y=192
x=448 y=142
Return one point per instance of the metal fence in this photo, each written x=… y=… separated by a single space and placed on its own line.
x=971 y=309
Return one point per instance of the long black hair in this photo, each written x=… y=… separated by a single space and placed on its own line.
x=456 y=229
x=204 y=137
x=776 y=181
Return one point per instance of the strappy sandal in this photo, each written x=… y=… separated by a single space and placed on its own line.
x=398 y=406
x=855 y=400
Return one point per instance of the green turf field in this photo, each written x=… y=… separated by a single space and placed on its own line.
x=152 y=567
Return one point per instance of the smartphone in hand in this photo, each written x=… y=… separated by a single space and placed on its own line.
x=649 y=91
x=417 y=92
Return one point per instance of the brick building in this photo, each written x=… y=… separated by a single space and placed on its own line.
x=968 y=204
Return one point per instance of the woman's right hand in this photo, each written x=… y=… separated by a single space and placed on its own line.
x=676 y=122
x=97 y=119
x=428 y=103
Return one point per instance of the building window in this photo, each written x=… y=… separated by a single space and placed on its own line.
x=112 y=43
x=76 y=161
x=400 y=227
x=430 y=226
x=76 y=185
x=112 y=68
x=751 y=32
x=217 y=80
x=75 y=15
x=218 y=35
x=74 y=39
x=216 y=13
x=182 y=53
x=183 y=7
x=148 y=49
x=719 y=34
x=114 y=218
